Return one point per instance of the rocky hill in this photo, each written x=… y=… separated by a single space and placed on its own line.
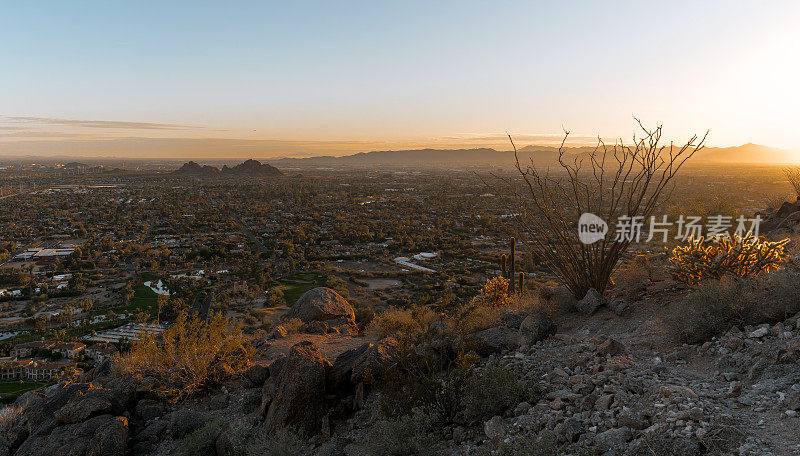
x=606 y=381
x=249 y=168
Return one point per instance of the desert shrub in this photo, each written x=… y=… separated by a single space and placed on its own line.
x=494 y=390
x=544 y=444
x=428 y=379
x=609 y=182
x=405 y=324
x=494 y=293
x=793 y=176
x=9 y=417
x=408 y=435
x=291 y=326
x=189 y=357
x=738 y=256
x=202 y=441
x=283 y=442
x=632 y=278
x=718 y=305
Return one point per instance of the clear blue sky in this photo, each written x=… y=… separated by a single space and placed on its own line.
x=401 y=72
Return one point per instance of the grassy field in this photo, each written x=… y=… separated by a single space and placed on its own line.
x=10 y=391
x=143 y=299
x=17 y=387
x=295 y=285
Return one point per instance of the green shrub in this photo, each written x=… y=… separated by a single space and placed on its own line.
x=202 y=441
x=527 y=445
x=426 y=379
x=494 y=390
x=717 y=306
x=283 y=442
x=408 y=435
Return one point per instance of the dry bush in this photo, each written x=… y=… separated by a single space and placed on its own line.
x=291 y=326
x=189 y=357
x=735 y=256
x=494 y=293
x=496 y=389
x=409 y=435
x=619 y=180
x=631 y=279
x=718 y=305
x=793 y=176
x=404 y=324
x=773 y=202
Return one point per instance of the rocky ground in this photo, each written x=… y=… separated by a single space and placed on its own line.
x=612 y=383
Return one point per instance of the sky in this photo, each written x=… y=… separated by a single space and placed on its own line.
x=263 y=79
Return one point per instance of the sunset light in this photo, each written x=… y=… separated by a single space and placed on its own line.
x=400 y=228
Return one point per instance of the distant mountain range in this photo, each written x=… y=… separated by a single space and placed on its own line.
x=253 y=168
x=541 y=155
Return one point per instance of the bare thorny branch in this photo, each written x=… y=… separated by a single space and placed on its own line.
x=621 y=180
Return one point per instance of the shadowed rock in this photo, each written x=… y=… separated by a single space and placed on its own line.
x=294 y=397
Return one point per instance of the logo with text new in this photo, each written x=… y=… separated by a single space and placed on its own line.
x=591 y=228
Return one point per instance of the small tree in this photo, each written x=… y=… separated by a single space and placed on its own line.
x=189 y=357
x=793 y=176
x=620 y=180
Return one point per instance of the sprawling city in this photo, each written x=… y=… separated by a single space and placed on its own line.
x=219 y=237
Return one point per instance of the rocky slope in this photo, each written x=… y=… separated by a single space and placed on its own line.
x=609 y=384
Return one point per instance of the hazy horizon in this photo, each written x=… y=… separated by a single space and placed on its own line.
x=261 y=80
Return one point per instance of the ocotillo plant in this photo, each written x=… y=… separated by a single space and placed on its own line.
x=512 y=270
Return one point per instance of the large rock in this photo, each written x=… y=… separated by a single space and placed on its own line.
x=494 y=340
x=354 y=366
x=590 y=302
x=793 y=400
x=84 y=405
x=38 y=409
x=294 y=398
x=255 y=376
x=184 y=422
x=535 y=327
x=613 y=439
x=103 y=435
x=321 y=304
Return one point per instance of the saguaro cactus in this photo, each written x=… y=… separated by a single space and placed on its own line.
x=512 y=270
x=503 y=272
x=521 y=281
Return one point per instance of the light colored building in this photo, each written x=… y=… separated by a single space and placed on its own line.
x=100 y=352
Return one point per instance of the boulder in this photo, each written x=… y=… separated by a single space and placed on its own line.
x=103 y=435
x=590 y=302
x=513 y=319
x=84 y=405
x=793 y=400
x=495 y=428
x=609 y=347
x=38 y=408
x=535 y=327
x=255 y=376
x=148 y=409
x=353 y=366
x=294 y=398
x=613 y=439
x=321 y=304
x=572 y=430
x=618 y=306
x=494 y=340
x=183 y=422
